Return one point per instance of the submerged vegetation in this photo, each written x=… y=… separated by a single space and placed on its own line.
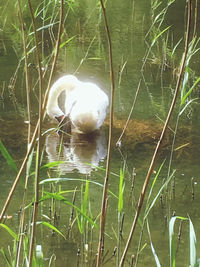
x=101 y=214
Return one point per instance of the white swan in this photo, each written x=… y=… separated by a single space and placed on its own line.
x=85 y=103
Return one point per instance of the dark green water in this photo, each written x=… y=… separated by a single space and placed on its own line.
x=129 y=22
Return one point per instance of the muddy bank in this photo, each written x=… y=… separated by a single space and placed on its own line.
x=14 y=134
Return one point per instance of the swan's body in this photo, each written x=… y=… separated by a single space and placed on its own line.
x=85 y=103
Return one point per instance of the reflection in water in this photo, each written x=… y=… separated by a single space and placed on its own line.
x=80 y=152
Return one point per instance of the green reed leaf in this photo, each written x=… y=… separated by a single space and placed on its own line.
x=7 y=156
x=11 y=232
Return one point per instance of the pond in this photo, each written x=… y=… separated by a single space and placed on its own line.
x=146 y=57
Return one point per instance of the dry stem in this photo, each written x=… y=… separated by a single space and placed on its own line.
x=29 y=126
x=105 y=188
x=141 y=199
x=33 y=140
x=35 y=207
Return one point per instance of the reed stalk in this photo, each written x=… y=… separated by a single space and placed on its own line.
x=38 y=157
x=195 y=18
x=26 y=70
x=33 y=140
x=142 y=194
x=106 y=179
x=22 y=219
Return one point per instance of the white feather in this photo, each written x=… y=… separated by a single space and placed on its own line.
x=85 y=103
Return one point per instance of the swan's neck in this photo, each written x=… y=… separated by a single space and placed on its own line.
x=66 y=83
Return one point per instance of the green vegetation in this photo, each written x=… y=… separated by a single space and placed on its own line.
x=104 y=207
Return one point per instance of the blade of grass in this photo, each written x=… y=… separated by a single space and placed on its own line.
x=188 y=103
x=193 y=242
x=172 y=243
x=49 y=165
x=33 y=140
x=174 y=100
x=10 y=161
x=58 y=180
x=158 y=194
x=190 y=91
x=84 y=207
x=68 y=41
x=11 y=232
x=157 y=36
x=121 y=191
x=52 y=227
x=152 y=247
x=6 y=257
x=171 y=239
x=45 y=27
x=56 y=196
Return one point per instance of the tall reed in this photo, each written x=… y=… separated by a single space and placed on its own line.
x=37 y=132
x=105 y=188
x=142 y=194
x=38 y=153
x=83 y=216
x=33 y=140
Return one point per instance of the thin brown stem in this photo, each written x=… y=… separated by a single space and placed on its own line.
x=22 y=221
x=142 y=194
x=33 y=140
x=195 y=18
x=105 y=188
x=37 y=173
x=26 y=70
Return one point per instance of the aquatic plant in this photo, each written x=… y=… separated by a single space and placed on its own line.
x=194 y=261
x=66 y=209
x=142 y=194
x=10 y=161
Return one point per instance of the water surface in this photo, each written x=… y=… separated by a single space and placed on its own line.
x=87 y=56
